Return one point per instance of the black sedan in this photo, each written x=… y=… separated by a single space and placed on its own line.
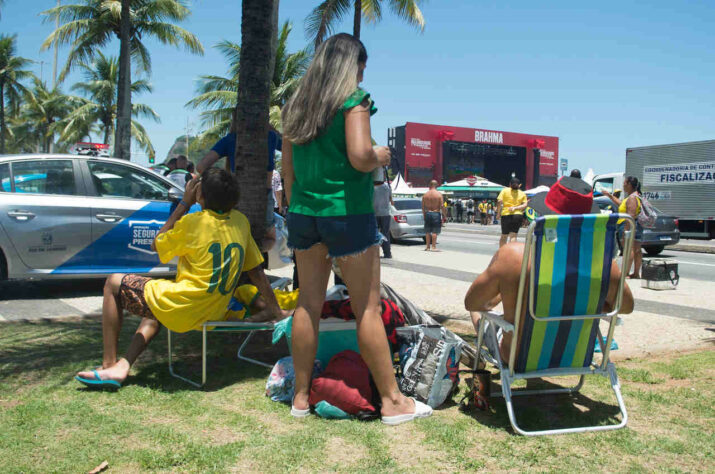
x=663 y=232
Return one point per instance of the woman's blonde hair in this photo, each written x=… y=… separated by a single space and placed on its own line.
x=330 y=79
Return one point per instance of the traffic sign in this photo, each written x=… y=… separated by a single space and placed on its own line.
x=564 y=164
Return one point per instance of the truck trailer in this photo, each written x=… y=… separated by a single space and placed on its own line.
x=679 y=179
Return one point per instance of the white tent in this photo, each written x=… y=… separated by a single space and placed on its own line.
x=481 y=182
x=400 y=187
x=537 y=190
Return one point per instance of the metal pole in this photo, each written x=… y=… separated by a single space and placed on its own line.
x=54 y=64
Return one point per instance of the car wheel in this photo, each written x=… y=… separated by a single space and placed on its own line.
x=654 y=250
x=3 y=266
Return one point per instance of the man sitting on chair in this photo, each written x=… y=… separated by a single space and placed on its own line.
x=500 y=281
x=213 y=246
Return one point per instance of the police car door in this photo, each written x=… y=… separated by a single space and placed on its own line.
x=129 y=207
x=45 y=215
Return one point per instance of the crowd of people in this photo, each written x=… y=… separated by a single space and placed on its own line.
x=471 y=211
x=338 y=214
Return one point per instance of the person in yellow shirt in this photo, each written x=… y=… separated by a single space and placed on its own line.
x=482 y=212
x=511 y=203
x=213 y=246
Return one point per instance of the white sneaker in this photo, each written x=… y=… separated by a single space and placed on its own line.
x=421 y=411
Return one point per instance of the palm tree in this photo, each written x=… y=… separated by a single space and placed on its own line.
x=217 y=94
x=43 y=108
x=12 y=73
x=97 y=109
x=324 y=17
x=91 y=24
x=259 y=22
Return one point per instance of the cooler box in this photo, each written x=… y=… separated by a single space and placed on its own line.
x=335 y=336
x=660 y=274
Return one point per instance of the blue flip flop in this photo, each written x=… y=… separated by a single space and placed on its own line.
x=98 y=382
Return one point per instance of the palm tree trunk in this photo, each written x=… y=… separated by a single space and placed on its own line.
x=123 y=130
x=259 y=23
x=107 y=129
x=357 y=18
x=2 y=118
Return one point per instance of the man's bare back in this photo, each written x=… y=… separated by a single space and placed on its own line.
x=432 y=201
x=499 y=283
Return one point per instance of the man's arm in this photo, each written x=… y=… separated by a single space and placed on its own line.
x=192 y=187
x=500 y=204
x=287 y=168
x=207 y=161
x=424 y=211
x=484 y=294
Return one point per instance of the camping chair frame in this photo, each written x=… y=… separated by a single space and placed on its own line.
x=225 y=326
x=509 y=376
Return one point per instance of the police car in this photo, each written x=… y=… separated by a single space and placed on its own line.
x=66 y=216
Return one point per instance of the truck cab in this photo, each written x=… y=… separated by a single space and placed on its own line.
x=610 y=182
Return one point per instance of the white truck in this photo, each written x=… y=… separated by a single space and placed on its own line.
x=677 y=179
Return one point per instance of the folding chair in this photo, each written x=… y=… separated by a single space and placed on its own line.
x=567 y=266
x=226 y=326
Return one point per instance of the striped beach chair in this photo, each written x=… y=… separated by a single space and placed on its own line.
x=565 y=277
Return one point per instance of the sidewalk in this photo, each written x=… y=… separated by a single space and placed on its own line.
x=685 y=245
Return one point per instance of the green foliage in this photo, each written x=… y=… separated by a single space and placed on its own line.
x=89 y=25
x=218 y=95
x=13 y=74
x=96 y=110
x=321 y=22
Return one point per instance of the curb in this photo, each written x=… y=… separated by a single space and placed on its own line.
x=680 y=247
x=692 y=248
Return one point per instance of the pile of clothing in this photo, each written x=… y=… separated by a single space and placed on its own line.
x=427 y=363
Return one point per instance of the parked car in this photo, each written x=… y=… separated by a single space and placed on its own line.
x=66 y=216
x=664 y=231
x=407 y=219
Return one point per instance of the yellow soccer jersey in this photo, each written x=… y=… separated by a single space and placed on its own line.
x=213 y=250
x=511 y=198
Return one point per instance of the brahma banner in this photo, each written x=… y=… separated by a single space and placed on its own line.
x=679 y=174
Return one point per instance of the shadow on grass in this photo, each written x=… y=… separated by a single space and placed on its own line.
x=550 y=411
x=50 y=289
x=52 y=350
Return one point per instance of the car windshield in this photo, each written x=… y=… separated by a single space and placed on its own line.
x=408 y=204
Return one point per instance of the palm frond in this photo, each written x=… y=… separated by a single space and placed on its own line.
x=409 y=11
x=320 y=21
x=372 y=10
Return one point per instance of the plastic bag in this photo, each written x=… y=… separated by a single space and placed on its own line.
x=429 y=362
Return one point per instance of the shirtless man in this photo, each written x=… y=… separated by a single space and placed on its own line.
x=432 y=203
x=500 y=281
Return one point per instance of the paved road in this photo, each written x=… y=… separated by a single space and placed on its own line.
x=34 y=300
x=691 y=265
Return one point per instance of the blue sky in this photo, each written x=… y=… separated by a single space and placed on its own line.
x=601 y=77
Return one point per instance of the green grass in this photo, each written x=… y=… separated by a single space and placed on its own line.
x=49 y=423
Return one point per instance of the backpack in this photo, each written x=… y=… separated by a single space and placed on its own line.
x=648 y=214
x=346 y=385
x=470 y=204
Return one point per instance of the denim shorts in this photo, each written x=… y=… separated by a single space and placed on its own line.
x=622 y=231
x=343 y=235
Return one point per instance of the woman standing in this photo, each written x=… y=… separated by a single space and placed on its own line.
x=630 y=205
x=328 y=158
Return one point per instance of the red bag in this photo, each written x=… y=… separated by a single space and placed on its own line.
x=345 y=384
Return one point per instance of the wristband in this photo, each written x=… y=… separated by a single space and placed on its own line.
x=184 y=203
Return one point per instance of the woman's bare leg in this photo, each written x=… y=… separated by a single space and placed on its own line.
x=313 y=272
x=362 y=277
x=637 y=260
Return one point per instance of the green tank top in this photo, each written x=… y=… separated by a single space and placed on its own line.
x=326 y=184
